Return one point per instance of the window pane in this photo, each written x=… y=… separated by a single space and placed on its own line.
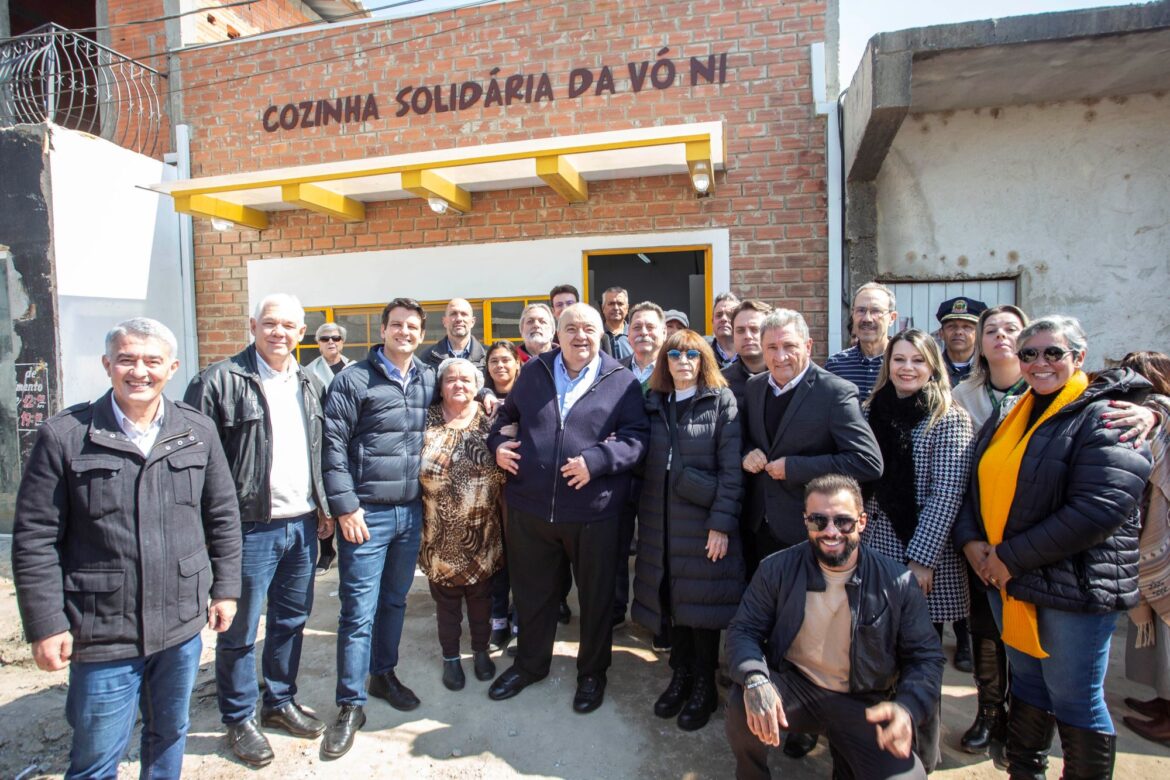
x=314 y=318
x=359 y=326
x=506 y=319
x=307 y=355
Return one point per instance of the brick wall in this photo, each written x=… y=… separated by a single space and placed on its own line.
x=771 y=198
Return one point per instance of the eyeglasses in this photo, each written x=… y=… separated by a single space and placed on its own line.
x=843 y=523
x=330 y=338
x=674 y=354
x=1051 y=354
x=861 y=311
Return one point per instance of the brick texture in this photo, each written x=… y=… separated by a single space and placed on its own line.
x=771 y=197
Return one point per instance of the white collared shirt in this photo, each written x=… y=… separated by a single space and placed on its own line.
x=779 y=391
x=570 y=389
x=643 y=374
x=142 y=439
x=290 y=483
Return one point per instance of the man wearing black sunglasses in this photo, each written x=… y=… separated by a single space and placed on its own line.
x=832 y=637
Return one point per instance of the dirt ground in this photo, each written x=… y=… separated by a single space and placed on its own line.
x=465 y=735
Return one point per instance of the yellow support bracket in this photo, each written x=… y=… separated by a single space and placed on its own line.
x=427 y=184
x=558 y=173
x=217 y=208
x=699 y=156
x=323 y=201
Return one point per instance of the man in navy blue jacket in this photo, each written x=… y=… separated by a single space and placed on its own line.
x=580 y=428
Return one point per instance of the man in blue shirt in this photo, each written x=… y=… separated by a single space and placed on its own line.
x=374 y=420
x=580 y=429
x=615 y=304
x=873 y=314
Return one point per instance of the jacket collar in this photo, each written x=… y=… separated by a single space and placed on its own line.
x=105 y=431
x=606 y=367
x=244 y=363
x=657 y=400
x=375 y=361
x=815 y=578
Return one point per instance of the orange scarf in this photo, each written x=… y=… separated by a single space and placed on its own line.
x=999 y=468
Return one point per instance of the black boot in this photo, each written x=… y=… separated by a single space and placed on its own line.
x=1029 y=737
x=675 y=695
x=963 y=660
x=991 y=720
x=1088 y=755
x=703 y=701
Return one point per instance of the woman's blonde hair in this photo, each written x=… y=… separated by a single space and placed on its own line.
x=708 y=374
x=937 y=389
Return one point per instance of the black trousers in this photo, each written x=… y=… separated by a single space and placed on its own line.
x=696 y=649
x=449 y=615
x=537 y=555
x=758 y=545
x=814 y=710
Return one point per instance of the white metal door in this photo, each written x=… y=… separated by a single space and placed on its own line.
x=918 y=301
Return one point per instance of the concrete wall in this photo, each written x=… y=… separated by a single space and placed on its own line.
x=1074 y=198
x=116 y=253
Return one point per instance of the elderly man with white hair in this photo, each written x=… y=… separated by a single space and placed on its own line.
x=581 y=430
x=268 y=414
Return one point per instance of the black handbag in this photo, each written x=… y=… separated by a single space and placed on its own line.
x=690 y=484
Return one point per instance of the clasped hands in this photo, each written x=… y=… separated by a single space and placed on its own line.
x=987 y=565
x=756 y=461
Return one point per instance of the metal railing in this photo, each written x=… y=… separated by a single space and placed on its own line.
x=52 y=74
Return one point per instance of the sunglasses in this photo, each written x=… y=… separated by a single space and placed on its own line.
x=843 y=523
x=330 y=338
x=1051 y=354
x=674 y=354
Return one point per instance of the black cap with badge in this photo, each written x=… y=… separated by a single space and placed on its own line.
x=960 y=308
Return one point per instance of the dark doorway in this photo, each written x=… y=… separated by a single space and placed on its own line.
x=674 y=278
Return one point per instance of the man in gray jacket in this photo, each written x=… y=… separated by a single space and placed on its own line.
x=126 y=523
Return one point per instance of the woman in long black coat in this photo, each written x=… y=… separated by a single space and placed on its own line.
x=689 y=573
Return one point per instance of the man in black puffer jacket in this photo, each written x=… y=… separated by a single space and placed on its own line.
x=374 y=421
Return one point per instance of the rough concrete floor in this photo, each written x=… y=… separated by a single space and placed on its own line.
x=465 y=735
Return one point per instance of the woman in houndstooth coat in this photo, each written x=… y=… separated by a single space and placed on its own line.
x=925 y=441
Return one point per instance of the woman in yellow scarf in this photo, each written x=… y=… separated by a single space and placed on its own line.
x=1051 y=522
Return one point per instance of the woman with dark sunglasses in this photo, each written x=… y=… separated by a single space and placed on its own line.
x=1051 y=525
x=924 y=438
x=689 y=574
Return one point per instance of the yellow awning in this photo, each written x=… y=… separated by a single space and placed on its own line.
x=567 y=164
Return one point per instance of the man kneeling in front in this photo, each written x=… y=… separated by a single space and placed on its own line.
x=851 y=652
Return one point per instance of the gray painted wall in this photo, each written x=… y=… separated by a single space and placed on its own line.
x=1073 y=198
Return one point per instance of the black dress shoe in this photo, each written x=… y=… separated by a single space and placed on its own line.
x=453 y=677
x=703 y=701
x=386 y=686
x=500 y=638
x=485 y=668
x=564 y=614
x=339 y=737
x=661 y=642
x=291 y=718
x=675 y=695
x=510 y=683
x=248 y=743
x=798 y=745
x=590 y=693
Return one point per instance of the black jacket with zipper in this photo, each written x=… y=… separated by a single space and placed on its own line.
x=1071 y=539
x=119 y=548
x=231 y=394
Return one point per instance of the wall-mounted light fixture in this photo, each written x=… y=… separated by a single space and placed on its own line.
x=699 y=166
x=701 y=178
x=222 y=224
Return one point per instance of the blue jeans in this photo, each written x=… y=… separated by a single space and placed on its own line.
x=278 y=561
x=376 y=575
x=101 y=704
x=1070 y=683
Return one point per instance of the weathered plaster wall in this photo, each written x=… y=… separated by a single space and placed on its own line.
x=1074 y=198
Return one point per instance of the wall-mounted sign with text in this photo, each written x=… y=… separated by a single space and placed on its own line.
x=502 y=91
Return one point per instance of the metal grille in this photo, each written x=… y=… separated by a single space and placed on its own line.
x=51 y=74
